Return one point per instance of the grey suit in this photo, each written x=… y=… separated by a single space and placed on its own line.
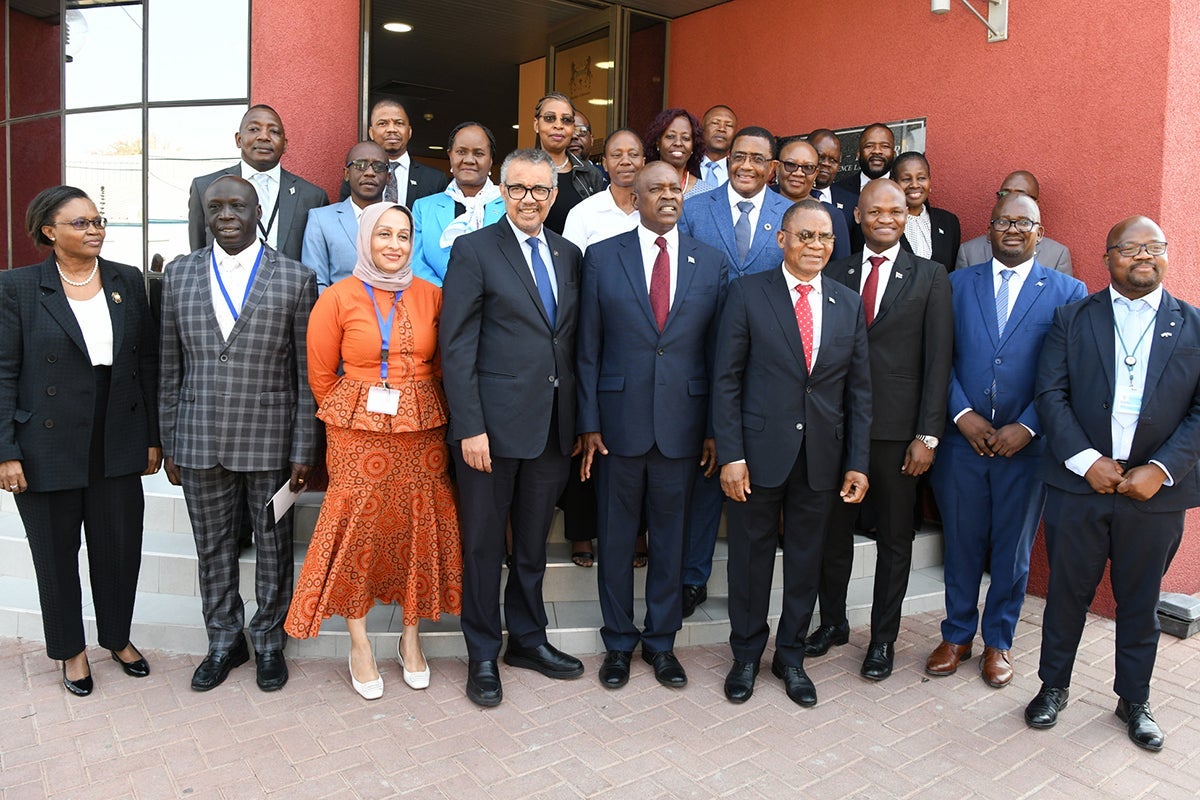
x=1048 y=253
x=296 y=198
x=233 y=413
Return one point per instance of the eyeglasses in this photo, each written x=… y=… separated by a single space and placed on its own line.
x=1131 y=249
x=518 y=191
x=807 y=236
x=1023 y=225
x=83 y=223
x=756 y=159
x=361 y=165
x=582 y=129
x=565 y=119
x=791 y=166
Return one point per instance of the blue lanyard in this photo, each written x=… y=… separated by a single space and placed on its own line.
x=385 y=329
x=249 y=283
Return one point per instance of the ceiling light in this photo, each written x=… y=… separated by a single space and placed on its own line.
x=397 y=27
x=436 y=147
x=516 y=127
x=600 y=101
x=604 y=65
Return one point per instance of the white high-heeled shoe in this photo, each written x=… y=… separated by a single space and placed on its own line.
x=371 y=690
x=416 y=680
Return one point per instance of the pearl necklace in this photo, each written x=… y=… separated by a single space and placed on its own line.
x=85 y=282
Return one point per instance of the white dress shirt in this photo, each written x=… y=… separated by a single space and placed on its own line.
x=919 y=233
x=719 y=171
x=597 y=218
x=885 y=272
x=268 y=196
x=96 y=324
x=403 y=167
x=547 y=258
x=814 y=302
x=1020 y=273
x=646 y=239
x=756 y=200
x=824 y=195
x=235 y=274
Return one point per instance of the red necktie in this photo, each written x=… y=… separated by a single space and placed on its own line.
x=804 y=319
x=871 y=287
x=660 y=284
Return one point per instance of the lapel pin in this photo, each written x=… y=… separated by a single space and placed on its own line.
x=941 y=231
x=831 y=300
x=691 y=260
x=555 y=252
x=116 y=296
x=414 y=183
x=840 y=206
x=900 y=275
x=850 y=271
x=1172 y=324
x=291 y=190
x=1166 y=334
x=767 y=227
x=1040 y=284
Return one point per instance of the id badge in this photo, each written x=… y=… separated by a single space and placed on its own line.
x=383 y=400
x=1128 y=401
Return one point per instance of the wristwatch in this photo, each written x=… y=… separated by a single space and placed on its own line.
x=929 y=441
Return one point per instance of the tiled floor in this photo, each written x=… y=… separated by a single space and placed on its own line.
x=909 y=736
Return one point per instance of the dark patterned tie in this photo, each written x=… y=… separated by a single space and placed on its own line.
x=660 y=284
x=871 y=287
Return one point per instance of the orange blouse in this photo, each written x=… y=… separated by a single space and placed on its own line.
x=343 y=330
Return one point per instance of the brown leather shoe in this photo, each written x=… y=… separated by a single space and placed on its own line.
x=996 y=667
x=945 y=658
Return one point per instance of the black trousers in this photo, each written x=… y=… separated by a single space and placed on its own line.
x=1083 y=532
x=110 y=512
x=891 y=499
x=753 y=535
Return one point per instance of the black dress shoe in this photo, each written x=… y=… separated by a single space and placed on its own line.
x=134 y=669
x=667 y=669
x=739 y=683
x=79 y=688
x=215 y=667
x=796 y=683
x=825 y=637
x=1042 y=711
x=878 y=663
x=1143 y=730
x=483 y=683
x=545 y=658
x=614 y=672
x=692 y=597
x=271 y=672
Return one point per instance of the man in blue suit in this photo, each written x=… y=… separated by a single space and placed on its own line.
x=648 y=316
x=331 y=233
x=1119 y=393
x=985 y=478
x=740 y=218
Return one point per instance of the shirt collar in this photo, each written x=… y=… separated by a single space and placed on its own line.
x=891 y=254
x=647 y=237
x=274 y=173
x=1022 y=269
x=735 y=198
x=242 y=260
x=793 y=281
x=523 y=237
x=1153 y=299
x=405 y=160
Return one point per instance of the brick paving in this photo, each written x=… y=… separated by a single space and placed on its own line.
x=909 y=736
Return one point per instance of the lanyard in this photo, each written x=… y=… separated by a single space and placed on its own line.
x=266 y=232
x=249 y=283
x=1130 y=360
x=385 y=329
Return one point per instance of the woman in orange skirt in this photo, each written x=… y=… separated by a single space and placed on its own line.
x=388 y=529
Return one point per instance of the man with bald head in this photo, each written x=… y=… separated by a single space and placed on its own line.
x=649 y=309
x=1049 y=253
x=906 y=300
x=985 y=477
x=1123 y=435
x=795 y=172
x=331 y=235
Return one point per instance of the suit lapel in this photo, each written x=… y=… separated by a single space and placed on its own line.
x=832 y=313
x=511 y=249
x=287 y=206
x=349 y=222
x=203 y=289
x=723 y=221
x=1101 y=317
x=780 y=300
x=985 y=295
x=897 y=283
x=115 y=288
x=1168 y=325
x=560 y=279
x=764 y=231
x=1031 y=290
x=635 y=273
x=55 y=302
x=685 y=270
x=265 y=269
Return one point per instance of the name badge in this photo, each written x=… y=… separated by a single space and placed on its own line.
x=1128 y=401
x=383 y=400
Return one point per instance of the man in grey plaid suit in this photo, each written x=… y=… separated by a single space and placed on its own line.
x=238 y=419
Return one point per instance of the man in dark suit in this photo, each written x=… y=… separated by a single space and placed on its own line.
x=985 y=478
x=408 y=180
x=829 y=161
x=792 y=415
x=285 y=198
x=510 y=305
x=740 y=218
x=647 y=328
x=795 y=173
x=1118 y=390
x=906 y=300
x=331 y=235
x=1049 y=253
x=237 y=420
x=876 y=152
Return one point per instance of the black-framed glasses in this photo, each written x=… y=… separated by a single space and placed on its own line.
x=1131 y=249
x=791 y=166
x=565 y=119
x=757 y=159
x=361 y=164
x=518 y=191
x=1023 y=224
x=807 y=237
x=83 y=223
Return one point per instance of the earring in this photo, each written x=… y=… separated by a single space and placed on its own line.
x=53 y=239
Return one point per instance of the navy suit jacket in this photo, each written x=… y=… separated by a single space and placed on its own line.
x=709 y=218
x=331 y=243
x=845 y=202
x=766 y=405
x=841 y=244
x=637 y=386
x=1075 y=395
x=983 y=358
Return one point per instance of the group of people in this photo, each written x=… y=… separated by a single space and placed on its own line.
x=708 y=321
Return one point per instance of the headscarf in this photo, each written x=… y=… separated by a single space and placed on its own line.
x=365 y=269
x=471 y=219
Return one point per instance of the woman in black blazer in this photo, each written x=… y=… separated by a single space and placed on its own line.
x=78 y=425
x=932 y=233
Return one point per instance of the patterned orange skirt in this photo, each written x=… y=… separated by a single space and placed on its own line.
x=387 y=532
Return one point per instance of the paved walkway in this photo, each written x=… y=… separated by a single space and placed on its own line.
x=909 y=736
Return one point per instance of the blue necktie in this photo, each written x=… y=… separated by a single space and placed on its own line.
x=542 y=277
x=1002 y=299
x=741 y=230
x=712 y=173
